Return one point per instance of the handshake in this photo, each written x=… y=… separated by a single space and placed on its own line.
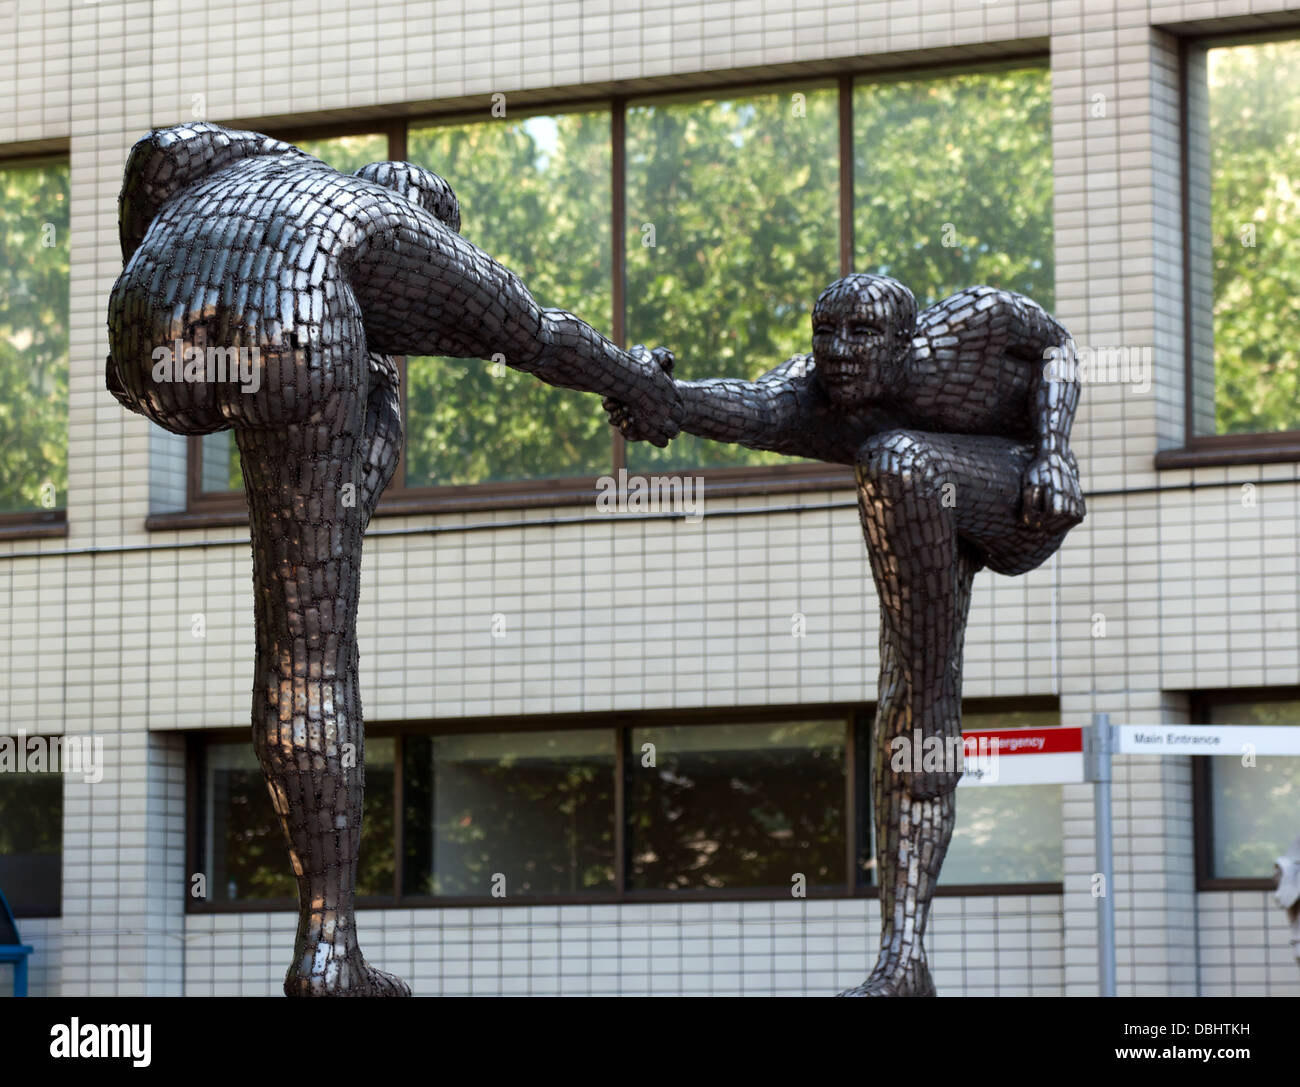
x=658 y=420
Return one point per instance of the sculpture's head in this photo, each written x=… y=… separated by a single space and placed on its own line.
x=862 y=328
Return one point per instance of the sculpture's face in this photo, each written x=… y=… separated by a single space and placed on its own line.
x=862 y=328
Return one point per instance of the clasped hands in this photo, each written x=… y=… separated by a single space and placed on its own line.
x=660 y=426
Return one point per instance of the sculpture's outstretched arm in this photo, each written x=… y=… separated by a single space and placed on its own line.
x=784 y=411
x=425 y=290
x=762 y=414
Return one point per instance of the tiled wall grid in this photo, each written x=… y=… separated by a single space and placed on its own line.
x=1196 y=589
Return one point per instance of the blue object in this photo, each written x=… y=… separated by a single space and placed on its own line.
x=10 y=949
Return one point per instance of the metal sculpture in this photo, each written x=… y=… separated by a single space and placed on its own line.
x=264 y=292
x=957 y=425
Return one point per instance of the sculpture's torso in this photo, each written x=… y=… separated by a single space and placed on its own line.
x=951 y=389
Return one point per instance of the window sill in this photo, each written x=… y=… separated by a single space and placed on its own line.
x=220 y=511
x=1231 y=450
x=1235 y=884
x=628 y=898
x=35 y=525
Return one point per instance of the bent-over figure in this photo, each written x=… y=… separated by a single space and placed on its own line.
x=957 y=425
x=235 y=241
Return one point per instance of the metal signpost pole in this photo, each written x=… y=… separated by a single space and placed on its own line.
x=1098 y=746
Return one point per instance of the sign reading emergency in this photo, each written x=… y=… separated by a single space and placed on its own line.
x=1023 y=756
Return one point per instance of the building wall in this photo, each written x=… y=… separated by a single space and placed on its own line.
x=1007 y=945
x=1196 y=589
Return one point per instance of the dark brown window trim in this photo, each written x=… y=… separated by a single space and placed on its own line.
x=37 y=524
x=40 y=523
x=1213 y=884
x=631 y=898
x=229 y=509
x=1216 y=450
x=857 y=719
x=31 y=151
x=1227 y=450
x=1202 y=793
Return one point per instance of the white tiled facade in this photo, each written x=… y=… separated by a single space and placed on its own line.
x=1196 y=589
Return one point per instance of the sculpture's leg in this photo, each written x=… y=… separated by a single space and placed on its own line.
x=907 y=499
x=307 y=727
x=912 y=834
x=923 y=576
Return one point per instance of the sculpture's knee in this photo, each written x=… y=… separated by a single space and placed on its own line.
x=899 y=461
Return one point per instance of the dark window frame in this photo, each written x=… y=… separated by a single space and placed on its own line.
x=1203 y=787
x=211 y=509
x=1205 y=450
x=39 y=523
x=47 y=909
x=858 y=833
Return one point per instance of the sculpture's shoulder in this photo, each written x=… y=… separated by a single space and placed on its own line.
x=799 y=370
x=816 y=428
x=795 y=384
x=970 y=309
x=982 y=316
x=169 y=159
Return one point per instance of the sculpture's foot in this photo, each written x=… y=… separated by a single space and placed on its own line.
x=347 y=974
x=912 y=980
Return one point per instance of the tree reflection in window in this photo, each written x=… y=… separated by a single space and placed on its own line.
x=732 y=232
x=1253 y=808
x=534 y=193
x=1254 y=212
x=31 y=842
x=34 y=269
x=737 y=805
x=245 y=857
x=526 y=813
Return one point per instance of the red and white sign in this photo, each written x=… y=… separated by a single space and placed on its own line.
x=1054 y=756
x=1023 y=756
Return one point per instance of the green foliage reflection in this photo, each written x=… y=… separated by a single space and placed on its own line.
x=34 y=270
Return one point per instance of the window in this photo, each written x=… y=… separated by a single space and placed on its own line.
x=1006 y=833
x=1247 y=814
x=953 y=182
x=535 y=194
x=734 y=803
x=732 y=233
x=707 y=223
x=34 y=254
x=31 y=842
x=524 y=813
x=244 y=853
x=740 y=805
x=1243 y=149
